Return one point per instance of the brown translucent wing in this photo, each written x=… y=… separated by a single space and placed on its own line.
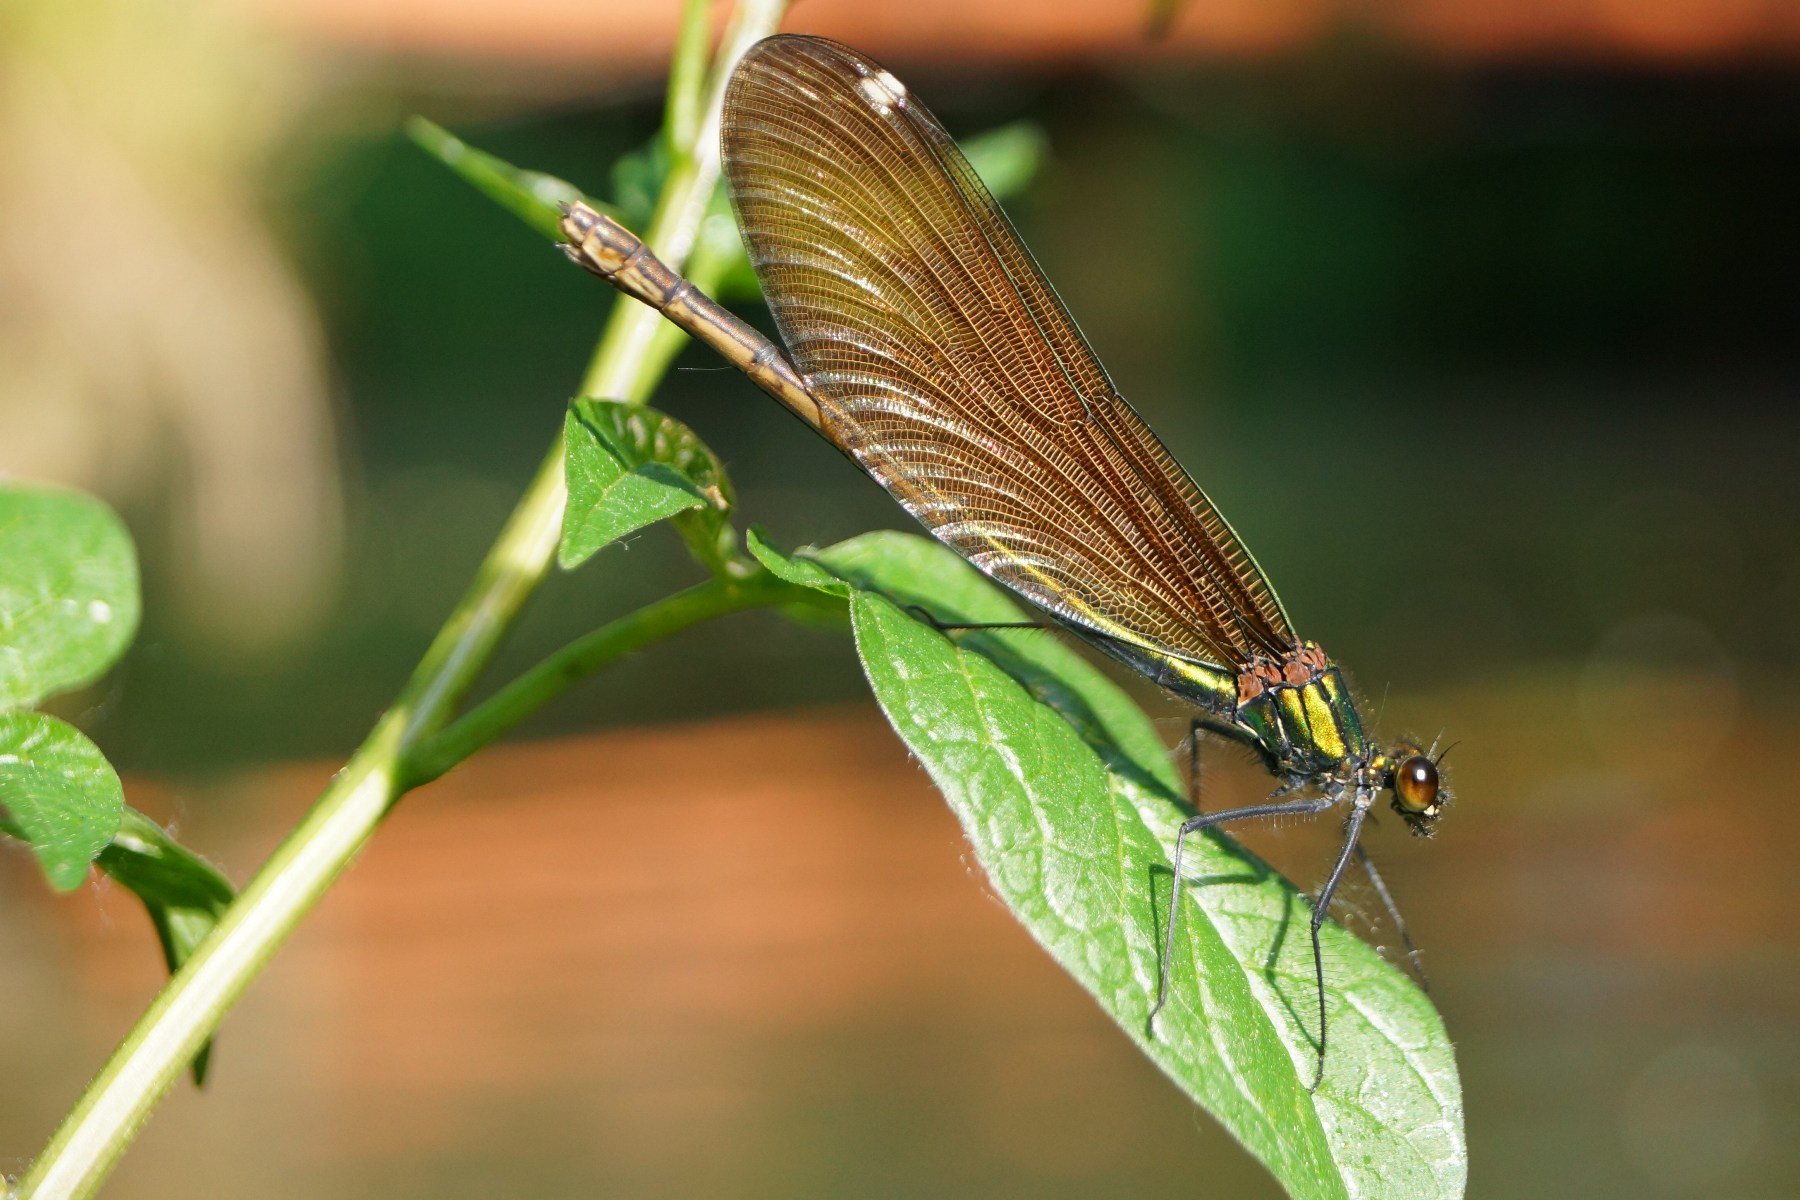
x=948 y=370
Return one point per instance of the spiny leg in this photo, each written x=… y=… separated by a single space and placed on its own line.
x=1352 y=831
x=1194 y=824
x=1393 y=910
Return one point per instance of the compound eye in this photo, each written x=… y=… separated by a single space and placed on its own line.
x=1416 y=784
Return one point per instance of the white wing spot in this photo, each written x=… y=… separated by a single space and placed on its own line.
x=883 y=92
x=99 y=612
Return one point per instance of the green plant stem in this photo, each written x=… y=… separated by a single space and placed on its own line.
x=529 y=692
x=674 y=227
x=190 y=1007
x=196 y=998
x=704 y=270
x=685 y=109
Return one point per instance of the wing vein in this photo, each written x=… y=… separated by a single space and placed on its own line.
x=948 y=368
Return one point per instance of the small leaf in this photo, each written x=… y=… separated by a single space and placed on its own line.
x=183 y=894
x=532 y=196
x=68 y=592
x=797 y=569
x=1008 y=157
x=62 y=795
x=629 y=466
x=807 y=574
x=1070 y=804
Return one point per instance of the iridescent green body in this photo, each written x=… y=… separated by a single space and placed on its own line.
x=1310 y=727
x=1297 y=711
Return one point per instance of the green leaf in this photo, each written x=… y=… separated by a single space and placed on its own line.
x=629 y=466
x=532 y=196
x=803 y=572
x=798 y=569
x=183 y=894
x=930 y=582
x=1070 y=804
x=62 y=795
x=68 y=592
x=1008 y=157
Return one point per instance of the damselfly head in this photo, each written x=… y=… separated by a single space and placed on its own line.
x=1419 y=794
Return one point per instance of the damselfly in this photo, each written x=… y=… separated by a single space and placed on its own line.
x=923 y=341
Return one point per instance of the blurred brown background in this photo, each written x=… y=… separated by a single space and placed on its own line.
x=1478 y=320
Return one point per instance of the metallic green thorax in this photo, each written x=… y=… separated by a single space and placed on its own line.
x=1307 y=728
x=1296 y=711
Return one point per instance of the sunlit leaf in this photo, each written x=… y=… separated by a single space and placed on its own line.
x=629 y=466
x=60 y=794
x=800 y=569
x=68 y=592
x=1007 y=157
x=1070 y=805
x=183 y=894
